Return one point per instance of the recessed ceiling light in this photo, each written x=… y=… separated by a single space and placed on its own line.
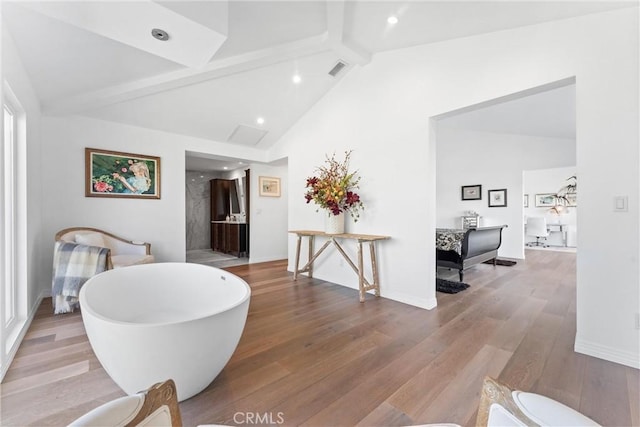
x=240 y=163
x=260 y=120
x=392 y=20
x=225 y=168
x=160 y=34
x=297 y=79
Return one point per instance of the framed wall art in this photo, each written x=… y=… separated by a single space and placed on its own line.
x=269 y=186
x=472 y=192
x=126 y=175
x=545 y=200
x=497 y=198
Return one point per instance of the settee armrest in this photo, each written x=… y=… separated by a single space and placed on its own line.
x=118 y=245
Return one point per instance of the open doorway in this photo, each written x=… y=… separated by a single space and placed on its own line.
x=551 y=209
x=486 y=148
x=216 y=210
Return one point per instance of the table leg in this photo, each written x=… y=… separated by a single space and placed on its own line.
x=360 y=273
x=374 y=268
x=311 y=241
x=295 y=271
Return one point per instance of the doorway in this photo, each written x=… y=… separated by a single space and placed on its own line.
x=201 y=172
x=489 y=146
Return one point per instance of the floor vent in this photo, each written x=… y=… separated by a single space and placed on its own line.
x=337 y=68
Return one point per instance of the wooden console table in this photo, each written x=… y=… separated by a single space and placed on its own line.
x=363 y=283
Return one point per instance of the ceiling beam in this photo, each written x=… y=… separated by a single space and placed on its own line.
x=175 y=79
x=349 y=51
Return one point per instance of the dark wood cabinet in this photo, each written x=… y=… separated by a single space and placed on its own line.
x=229 y=237
x=218 y=237
x=220 y=198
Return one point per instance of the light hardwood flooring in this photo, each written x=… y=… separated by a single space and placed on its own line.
x=311 y=354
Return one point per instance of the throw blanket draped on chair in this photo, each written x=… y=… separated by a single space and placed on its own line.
x=74 y=264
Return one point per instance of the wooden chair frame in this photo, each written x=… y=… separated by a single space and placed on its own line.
x=164 y=393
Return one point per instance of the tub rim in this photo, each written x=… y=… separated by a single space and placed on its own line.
x=85 y=306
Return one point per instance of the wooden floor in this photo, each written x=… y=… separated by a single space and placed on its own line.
x=311 y=354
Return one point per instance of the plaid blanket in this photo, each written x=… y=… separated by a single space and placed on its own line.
x=74 y=264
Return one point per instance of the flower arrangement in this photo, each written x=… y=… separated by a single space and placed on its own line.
x=332 y=187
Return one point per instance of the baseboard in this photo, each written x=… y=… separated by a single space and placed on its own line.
x=426 y=303
x=253 y=260
x=25 y=327
x=611 y=354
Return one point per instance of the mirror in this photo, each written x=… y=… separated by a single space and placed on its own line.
x=237 y=195
x=234 y=198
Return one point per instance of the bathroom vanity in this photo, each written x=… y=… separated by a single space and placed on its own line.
x=229 y=237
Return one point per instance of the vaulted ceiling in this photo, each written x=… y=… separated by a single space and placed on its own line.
x=227 y=64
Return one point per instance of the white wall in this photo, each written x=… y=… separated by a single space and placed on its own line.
x=495 y=161
x=32 y=269
x=545 y=181
x=268 y=216
x=382 y=111
x=160 y=222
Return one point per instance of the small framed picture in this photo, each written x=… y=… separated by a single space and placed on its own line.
x=546 y=200
x=472 y=192
x=269 y=186
x=116 y=174
x=497 y=198
x=526 y=201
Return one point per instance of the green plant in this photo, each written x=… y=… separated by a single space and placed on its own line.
x=566 y=195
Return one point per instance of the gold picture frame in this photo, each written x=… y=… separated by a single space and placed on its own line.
x=269 y=186
x=121 y=175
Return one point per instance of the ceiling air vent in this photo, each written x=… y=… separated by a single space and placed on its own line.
x=247 y=135
x=337 y=68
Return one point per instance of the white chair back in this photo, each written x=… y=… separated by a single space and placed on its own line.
x=537 y=227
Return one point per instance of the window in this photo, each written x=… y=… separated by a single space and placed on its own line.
x=13 y=230
x=9 y=211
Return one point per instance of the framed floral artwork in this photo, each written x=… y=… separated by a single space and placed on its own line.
x=269 y=186
x=498 y=198
x=126 y=175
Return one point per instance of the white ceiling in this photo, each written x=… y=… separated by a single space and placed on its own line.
x=84 y=58
x=550 y=114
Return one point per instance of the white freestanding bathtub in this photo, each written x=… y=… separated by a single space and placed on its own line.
x=148 y=323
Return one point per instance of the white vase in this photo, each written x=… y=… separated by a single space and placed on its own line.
x=334 y=224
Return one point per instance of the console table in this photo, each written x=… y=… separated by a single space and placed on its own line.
x=363 y=283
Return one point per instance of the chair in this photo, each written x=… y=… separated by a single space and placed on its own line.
x=156 y=406
x=122 y=252
x=82 y=252
x=502 y=406
x=537 y=227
